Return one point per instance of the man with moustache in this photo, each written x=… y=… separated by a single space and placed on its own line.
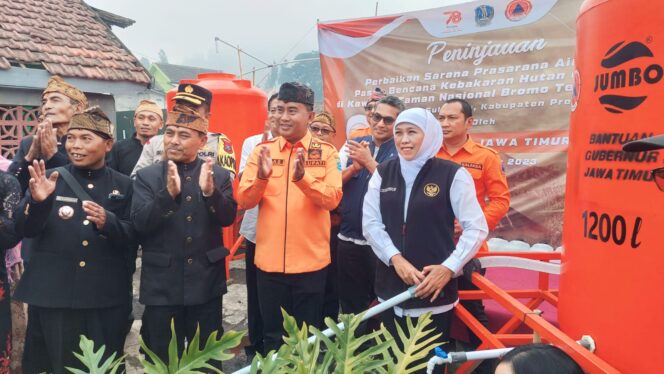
x=77 y=280
x=296 y=181
x=60 y=101
x=178 y=210
x=218 y=146
x=148 y=120
x=248 y=230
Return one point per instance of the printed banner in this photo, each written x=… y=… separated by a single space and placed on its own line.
x=513 y=60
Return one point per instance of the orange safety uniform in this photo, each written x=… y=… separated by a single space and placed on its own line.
x=360 y=133
x=485 y=166
x=293 y=229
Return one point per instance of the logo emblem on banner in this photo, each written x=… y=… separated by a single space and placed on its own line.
x=617 y=79
x=483 y=15
x=453 y=17
x=518 y=9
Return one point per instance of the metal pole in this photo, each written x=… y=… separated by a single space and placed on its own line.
x=286 y=63
x=217 y=39
x=253 y=76
x=373 y=311
x=239 y=59
x=376 y=12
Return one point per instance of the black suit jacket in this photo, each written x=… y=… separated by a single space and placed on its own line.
x=73 y=264
x=183 y=257
x=124 y=155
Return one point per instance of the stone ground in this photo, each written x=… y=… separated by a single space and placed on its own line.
x=234 y=317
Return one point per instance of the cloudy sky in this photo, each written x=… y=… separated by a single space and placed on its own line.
x=270 y=30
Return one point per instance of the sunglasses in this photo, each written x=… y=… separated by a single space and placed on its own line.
x=387 y=120
x=658 y=176
x=369 y=107
x=321 y=130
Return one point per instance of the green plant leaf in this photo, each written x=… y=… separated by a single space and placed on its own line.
x=93 y=360
x=417 y=341
x=345 y=354
x=273 y=363
x=193 y=358
x=157 y=366
x=214 y=349
x=345 y=351
x=173 y=357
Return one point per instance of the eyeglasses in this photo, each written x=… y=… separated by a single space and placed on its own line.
x=658 y=176
x=387 y=120
x=321 y=130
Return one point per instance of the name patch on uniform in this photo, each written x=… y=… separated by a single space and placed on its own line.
x=315 y=153
x=227 y=162
x=471 y=165
x=66 y=199
x=278 y=162
x=388 y=189
x=431 y=190
x=314 y=163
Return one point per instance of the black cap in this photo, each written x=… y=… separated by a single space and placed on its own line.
x=194 y=94
x=645 y=144
x=294 y=92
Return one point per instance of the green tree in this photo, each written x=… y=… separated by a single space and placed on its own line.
x=307 y=72
x=162 y=57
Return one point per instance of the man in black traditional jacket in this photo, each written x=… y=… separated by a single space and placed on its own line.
x=148 y=120
x=60 y=101
x=178 y=210
x=77 y=280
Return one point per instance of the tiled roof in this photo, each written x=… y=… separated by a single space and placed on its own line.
x=68 y=38
x=176 y=73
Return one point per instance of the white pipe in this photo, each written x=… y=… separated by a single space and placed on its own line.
x=520 y=263
x=433 y=362
x=456 y=357
x=479 y=355
x=488 y=354
x=375 y=310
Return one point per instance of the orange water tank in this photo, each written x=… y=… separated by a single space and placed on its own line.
x=613 y=262
x=238 y=110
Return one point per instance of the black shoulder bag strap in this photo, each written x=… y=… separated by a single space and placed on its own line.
x=73 y=184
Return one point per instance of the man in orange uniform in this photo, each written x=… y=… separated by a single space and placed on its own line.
x=485 y=166
x=296 y=181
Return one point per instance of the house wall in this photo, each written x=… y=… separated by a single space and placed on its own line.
x=160 y=79
x=23 y=86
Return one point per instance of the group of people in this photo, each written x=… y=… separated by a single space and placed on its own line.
x=407 y=201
